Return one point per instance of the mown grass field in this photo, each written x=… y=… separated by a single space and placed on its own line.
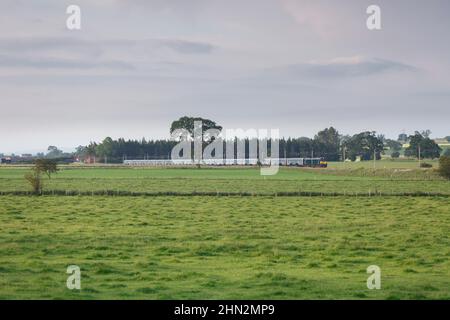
x=226 y=247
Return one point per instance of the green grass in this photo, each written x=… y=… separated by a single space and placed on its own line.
x=383 y=164
x=224 y=247
x=205 y=247
x=352 y=180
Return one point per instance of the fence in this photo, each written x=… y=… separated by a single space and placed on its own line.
x=222 y=193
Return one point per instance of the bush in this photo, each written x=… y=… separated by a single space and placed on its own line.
x=444 y=166
x=35 y=180
x=395 y=155
x=426 y=165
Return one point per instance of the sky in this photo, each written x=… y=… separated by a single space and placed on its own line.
x=294 y=65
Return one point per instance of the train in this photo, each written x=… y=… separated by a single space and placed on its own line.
x=289 y=162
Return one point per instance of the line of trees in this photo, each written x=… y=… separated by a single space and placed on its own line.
x=110 y=150
x=327 y=143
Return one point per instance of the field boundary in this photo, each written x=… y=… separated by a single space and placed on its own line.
x=258 y=178
x=120 y=193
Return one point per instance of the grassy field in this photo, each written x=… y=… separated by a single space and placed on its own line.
x=383 y=164
x=224 y=247
x=234 y=247
x=354 y=179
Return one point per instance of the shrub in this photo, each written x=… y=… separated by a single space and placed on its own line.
x=444 y=166
x=426 y=165
x=395 y=155
x=35 y=180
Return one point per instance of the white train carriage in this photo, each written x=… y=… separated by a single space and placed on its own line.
x=294 y=162
x=230 y=162
x=177 y=162
x=213 y=162
x=299 y=162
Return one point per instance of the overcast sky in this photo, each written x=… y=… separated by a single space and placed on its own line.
x=296 y=65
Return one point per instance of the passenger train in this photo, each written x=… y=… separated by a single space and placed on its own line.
x=293 y=162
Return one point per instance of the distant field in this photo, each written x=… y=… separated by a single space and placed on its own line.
x=224 y=247
x=383 y=164
x=349 y=179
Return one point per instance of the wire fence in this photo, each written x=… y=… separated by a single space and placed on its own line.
x=122 y=193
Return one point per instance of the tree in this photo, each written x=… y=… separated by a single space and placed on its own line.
x=46 y=166
x=106 y=148
x=427 y=147
x=426 y=133
x=327 y=144
x=80 y=152
x=300 y=147
x=187 y=123
x=54 y=152
x=90 y=151
x=364 y=145
x=395 y=155
x=444 y=167
x=402 y=138
x=393 y=145
x=41 y=166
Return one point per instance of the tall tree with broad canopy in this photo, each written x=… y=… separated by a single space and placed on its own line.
x=327 y=144
x=187 y=123
x=54 y=152
x=364 y=145
x=427 y=147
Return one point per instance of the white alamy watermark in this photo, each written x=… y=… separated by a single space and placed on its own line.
x=374 y=20
x=73 y=22
x=208 y=147
x=374 y=280
x=74 y=279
